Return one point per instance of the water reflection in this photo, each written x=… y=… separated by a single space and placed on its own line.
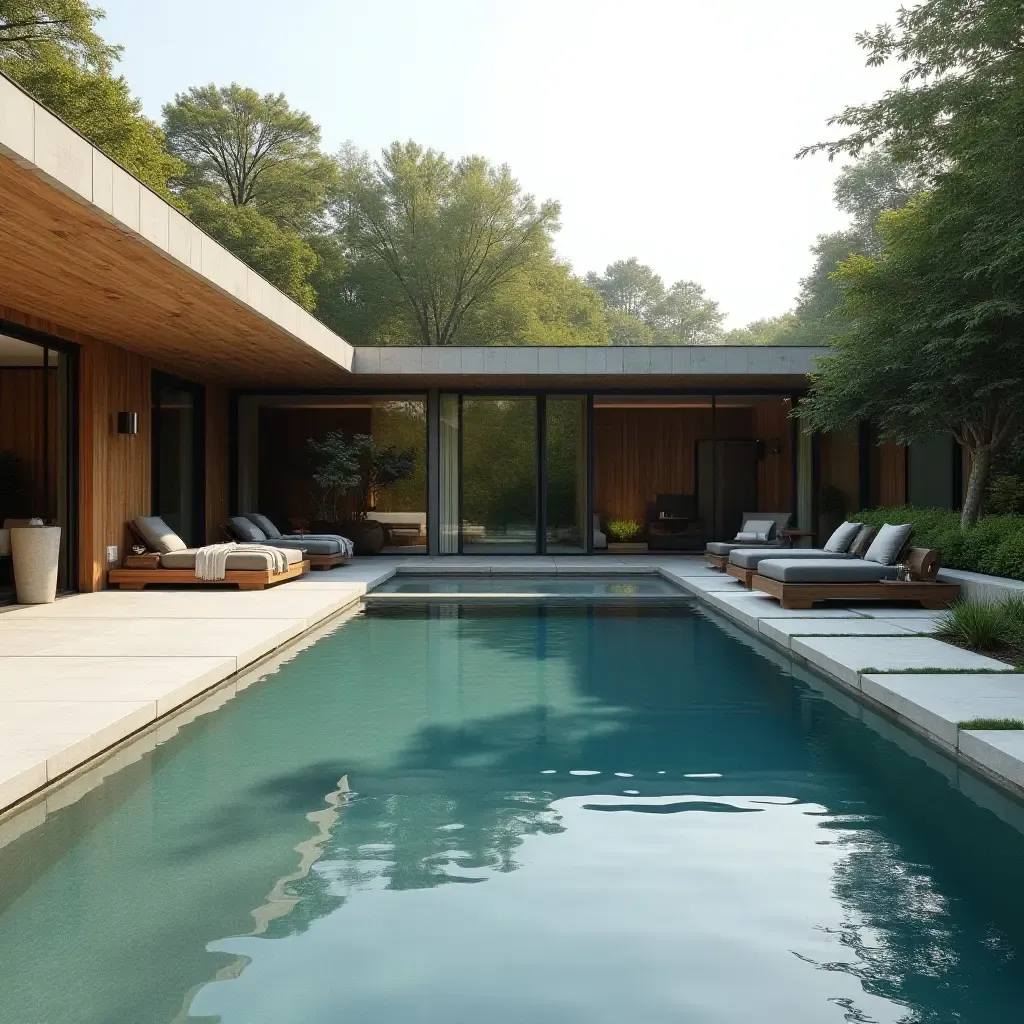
x=392 y=830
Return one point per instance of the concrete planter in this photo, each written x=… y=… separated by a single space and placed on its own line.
x=36 y=554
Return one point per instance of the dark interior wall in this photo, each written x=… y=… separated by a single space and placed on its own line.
x=775 y=470
x=23 y=402
x=284 y=475
x=640 y=453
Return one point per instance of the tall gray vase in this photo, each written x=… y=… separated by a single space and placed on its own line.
x=35 y=551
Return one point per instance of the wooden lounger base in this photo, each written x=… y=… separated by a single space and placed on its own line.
x=745 y=576
x=804 y=595
x=718 y=562
x=326 y=561
x=244 y=579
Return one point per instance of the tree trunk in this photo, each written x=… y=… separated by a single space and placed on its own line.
x=981 y=463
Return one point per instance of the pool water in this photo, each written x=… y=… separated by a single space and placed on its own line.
x=520 y=586
x=535 y=815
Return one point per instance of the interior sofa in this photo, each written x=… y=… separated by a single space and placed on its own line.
x=171 y=560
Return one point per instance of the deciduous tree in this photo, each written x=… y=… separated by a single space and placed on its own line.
x=686 y=316
x=629 y=286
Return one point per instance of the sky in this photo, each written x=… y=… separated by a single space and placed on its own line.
x=665 y=128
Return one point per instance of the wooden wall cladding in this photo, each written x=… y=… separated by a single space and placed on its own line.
x=892 y=475
x=114 y=481
x=839 y=461
x=775 y=471
x=23 y=404
x=640 y=453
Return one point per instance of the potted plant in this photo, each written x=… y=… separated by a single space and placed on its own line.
x=349 y=470
x=624 y=531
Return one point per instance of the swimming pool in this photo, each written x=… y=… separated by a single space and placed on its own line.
x=541 y=813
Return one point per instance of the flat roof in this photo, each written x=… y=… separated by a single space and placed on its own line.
x=84 y=244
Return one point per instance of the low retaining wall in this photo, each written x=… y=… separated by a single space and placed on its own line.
x=979 y=587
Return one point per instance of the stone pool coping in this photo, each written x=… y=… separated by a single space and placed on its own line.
x=79 y=677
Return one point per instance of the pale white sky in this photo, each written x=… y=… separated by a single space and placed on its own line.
x=666 y=128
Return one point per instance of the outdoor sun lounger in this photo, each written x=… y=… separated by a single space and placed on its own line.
x=322 y=552
x=717 y=551
x=798 y=583
x=324 y=560
x=743 y=562
x=171 y=561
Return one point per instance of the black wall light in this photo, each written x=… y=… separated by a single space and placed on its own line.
x=127 y=422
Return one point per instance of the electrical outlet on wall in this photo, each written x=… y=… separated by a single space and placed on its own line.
x=111 y=554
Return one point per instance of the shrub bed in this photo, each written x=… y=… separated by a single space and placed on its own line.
x=994 y=545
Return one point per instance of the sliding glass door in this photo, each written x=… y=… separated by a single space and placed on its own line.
x=565 y=474
x=179 y=493
x=499 y=474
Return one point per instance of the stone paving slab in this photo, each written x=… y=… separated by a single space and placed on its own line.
x=847 y=657
x=938 y=703
x=874 y=610
x=1001 y=752
x=782 y=631
x=717 y=582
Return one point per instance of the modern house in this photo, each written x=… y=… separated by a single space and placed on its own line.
x=145 y=369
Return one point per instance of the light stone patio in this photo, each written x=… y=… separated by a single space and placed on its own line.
x=79 y=676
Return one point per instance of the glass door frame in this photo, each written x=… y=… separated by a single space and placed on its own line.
x=70 y=352
x=159 y=380
x=540 y=399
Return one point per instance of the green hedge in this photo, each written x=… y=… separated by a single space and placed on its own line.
x=994 y=545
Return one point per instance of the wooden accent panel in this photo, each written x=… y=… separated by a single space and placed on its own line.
x=64 y=262
x=114 y=470
x=22 y=410
x=839 y=459
x=775 y=472
x=284 y=474
x=892 y=475
x=640 y=453
x=217 y=458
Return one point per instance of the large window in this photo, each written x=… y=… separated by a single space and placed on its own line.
x=499 y=474
x=36 y=451
x=565 y=476
x=179 y=464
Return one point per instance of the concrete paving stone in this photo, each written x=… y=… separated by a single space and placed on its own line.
x=243 y=639
x=938 y=703
x=761 y=606
x=1000 y=751
x=20 y=774
x=169 y=681
x=718 y=582
x=783 y=630
x=847 y=657
x=881 y=611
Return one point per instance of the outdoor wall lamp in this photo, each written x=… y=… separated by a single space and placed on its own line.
x=127 y=422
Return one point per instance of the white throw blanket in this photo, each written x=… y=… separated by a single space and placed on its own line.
x=212 y=560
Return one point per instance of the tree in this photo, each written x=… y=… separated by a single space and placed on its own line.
x=281 y=256
x=773 y=330
x=629 y=286
x=686 y=316
x=928 y=348
x=626 y=329
x=443 y=236
x=31 y=27
x=51 y=49
x=252 y=151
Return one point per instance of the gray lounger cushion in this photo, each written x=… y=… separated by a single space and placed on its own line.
x=159 y=537
x=311 y=545
x=246 y=530
x=240 y=560
x=825 y=570
x=758 y=531
x=270 y=531
x=751 y=558
x=888 y=543
x=726 y=547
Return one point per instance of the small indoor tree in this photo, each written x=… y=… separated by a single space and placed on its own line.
x=354 y=466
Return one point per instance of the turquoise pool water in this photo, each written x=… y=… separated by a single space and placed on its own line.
x=593 y=588
x=537 y=815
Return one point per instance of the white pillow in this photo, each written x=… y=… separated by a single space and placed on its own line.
x=756 y=530
x=888 y=543
x=842 y=538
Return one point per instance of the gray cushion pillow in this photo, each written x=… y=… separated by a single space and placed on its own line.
x=247 y=531
x=270 y=531
x=888 y=544
x=760 y=530
x=842 y=538
x=158 y=536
